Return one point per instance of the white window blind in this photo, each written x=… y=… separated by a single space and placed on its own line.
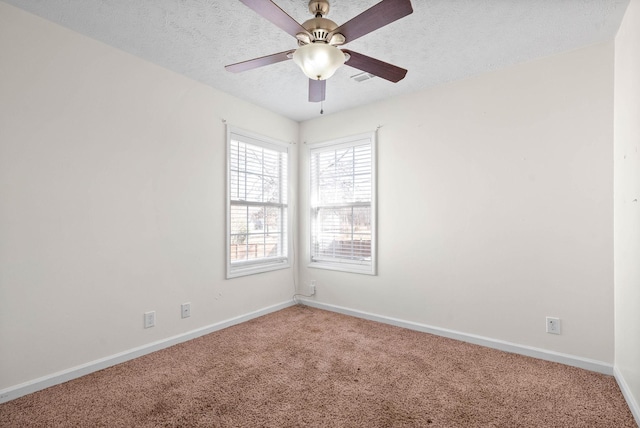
x=343 y=204
x=257 y=204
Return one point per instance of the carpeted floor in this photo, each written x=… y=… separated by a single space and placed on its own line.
x=308 y=367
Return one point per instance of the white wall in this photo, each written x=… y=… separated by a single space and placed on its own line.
x=627 y=205
x=112 y=187
x=494 y=205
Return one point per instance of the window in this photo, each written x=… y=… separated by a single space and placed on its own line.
x=342 y=204
x=257 y=210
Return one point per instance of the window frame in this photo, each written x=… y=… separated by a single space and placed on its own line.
x=369 y=267
x=251 y=267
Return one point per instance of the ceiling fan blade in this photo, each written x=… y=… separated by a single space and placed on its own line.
x=257 y=62
x=375 y=17
x=317 y=90
x=376 y=67
x=272 y=12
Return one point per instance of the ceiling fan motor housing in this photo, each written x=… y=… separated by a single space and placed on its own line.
x=320 y=28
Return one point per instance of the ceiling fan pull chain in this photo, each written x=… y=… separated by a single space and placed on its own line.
x=321 y=107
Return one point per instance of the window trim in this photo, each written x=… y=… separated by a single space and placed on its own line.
x=369 y=268
x=251 y=267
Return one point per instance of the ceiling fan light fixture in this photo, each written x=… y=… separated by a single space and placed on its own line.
x=319 y=60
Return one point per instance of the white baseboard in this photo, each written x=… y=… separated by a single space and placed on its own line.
x=626 y=392
x=543 y=354
x=20 y=390
x=17 y=391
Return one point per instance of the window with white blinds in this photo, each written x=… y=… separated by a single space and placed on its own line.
x=257 y=209
x=342 y=199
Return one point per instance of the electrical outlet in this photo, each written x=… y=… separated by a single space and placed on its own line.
x=312 y=288
x=553 y=325
x=186 y=310
x=149 y=319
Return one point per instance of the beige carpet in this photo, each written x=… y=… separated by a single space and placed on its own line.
x=307 y=367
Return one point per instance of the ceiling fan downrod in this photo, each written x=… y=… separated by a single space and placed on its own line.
x=319 y=8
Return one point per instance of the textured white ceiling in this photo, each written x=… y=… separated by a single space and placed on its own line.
x=442 y=41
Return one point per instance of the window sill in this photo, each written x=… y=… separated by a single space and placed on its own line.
x=252 y=269
x=345 y=267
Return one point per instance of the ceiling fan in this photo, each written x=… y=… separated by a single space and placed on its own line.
x=318 y=38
